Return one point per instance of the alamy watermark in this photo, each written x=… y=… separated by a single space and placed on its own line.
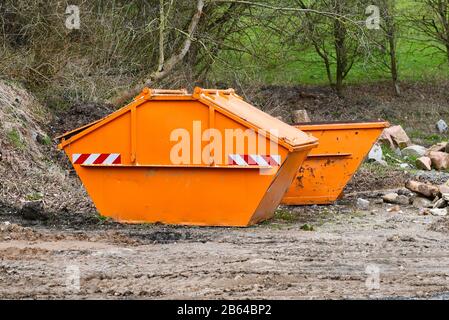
x=225 y=147
x=373 y=20
x=72 y=280
x=73 y=20
x=372 y=281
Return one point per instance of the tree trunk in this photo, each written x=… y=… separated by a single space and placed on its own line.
x=394 y=65
x=329 y=72
x=340 y=53
x=391 y=34
x=340 y=49
x=169 y=65
x=161 y=35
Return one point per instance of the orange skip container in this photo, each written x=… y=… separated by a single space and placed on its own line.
x=328 y=168
x=135 y=169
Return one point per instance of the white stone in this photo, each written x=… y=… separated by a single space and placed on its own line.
x=438 y=212
x=420 y=202
x=442 y=126
x=390 y=197
x=414 y=151
x=362 y=204
x=376 y=153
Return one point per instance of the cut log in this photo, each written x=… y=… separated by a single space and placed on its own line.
x=427 y=190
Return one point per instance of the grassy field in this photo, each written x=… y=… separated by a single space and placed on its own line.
x=417 y=60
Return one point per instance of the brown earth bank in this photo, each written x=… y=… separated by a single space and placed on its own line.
x=417 y=109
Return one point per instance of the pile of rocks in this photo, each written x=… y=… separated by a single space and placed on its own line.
x=436 y=157
x=430 y=198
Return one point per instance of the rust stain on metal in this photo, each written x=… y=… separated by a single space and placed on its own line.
x=328 y=168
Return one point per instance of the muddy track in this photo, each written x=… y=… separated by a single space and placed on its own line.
x=273 y=260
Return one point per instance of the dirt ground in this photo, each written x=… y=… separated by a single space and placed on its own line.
x=274 y=260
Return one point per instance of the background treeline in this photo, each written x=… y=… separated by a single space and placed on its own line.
x=183 y=43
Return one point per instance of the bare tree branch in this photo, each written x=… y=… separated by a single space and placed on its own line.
x=169 y=65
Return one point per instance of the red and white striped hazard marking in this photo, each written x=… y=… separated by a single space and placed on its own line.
x=254 y=160
x=96 y=158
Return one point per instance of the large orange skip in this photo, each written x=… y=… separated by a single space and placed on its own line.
x=328 y=168
x=125 y=160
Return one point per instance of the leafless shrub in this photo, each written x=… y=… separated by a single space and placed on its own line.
x=118 y=43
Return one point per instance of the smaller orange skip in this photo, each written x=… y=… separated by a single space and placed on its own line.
x=328 y=168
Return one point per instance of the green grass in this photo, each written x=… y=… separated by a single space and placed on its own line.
x=46 y=141
x=417 y=60
x=15 y=139
x=390 y=155
x=34 y=196
x=393 y=159
x=307 y=227
x=102 y=218
x=285 y=215
x=428 y=139
x=411 y=160
x=416 y=63
x=376 y=168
